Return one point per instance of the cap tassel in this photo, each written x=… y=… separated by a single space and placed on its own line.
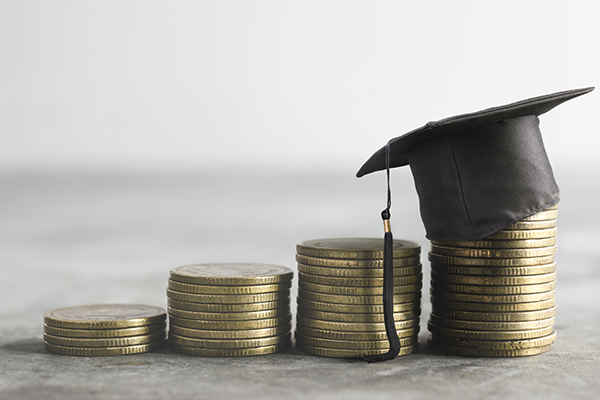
x=388 y=277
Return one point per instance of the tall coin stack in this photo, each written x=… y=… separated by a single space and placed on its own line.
x=340 y=304
x=495 y=297
x=105 y=330
x=229 y=309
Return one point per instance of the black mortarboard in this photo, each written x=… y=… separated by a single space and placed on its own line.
x=476 y=173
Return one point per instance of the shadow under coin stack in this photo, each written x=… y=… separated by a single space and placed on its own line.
x=105 y=330
x=229 y=309
x=340 y=303
x=495 y=297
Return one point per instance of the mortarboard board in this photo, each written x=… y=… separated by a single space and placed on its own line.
x=475 y=174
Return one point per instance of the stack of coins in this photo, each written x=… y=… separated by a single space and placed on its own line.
x=340 y=303
x=495 y=297
x=229 y=309
x=105 y=330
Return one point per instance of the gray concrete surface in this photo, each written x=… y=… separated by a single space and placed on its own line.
x=70 y=238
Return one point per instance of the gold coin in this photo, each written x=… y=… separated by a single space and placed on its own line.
x=352 y=264
x=483 y=298
x=361 y=318
x=494 y=316
x=203 y=289
x=359 y=336
x=341 y=353
x=230 y=325
x=352 y=326
x=492 y=253
x=354 y=309
x=357 y=290
x=358 y=282
x=229 y=343
x=494 y=345
x=351 y=344
x=358 y=300
x=490 y=326
x=358 y=272
x=232 y=274
x=490 y=307
x=356 y=248
x=490 y=335
x=554 y=207
x=494 y=271
x=542 y=216
x=105 y=342
x=497 y=244
x=250 y=315
x=228 y=308
x=228 y=298
x=105 y=333
x=499 y=290
x=507 y=234
x=530 y=225
x=465 y=351
x=226 y=335
x=493 y=280
x=104 y=351
x=206 y=352
x=105 y=316
x=490 y=262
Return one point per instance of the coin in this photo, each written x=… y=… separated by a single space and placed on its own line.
x=207 y=352
x=351 y=264
x=496 y=290
x=250 y=315
x=105 y=316
x=356 y=248
x=490 y=335
x=361 y=318
x=232 y=274
x=358 y=272
x=105 y=342
x=492 y=253
x=494 y=316
x=357 y=290
x=490 y=307
x=352 y=326
x=228 y=298
x=542 y=216
x=352 y=344
x=104 y=351
x=497 y=244
x=229 y=343
x=490 y=262
x=465 y=351
x=358 y=300
x=228 y=308
x=494 y=345
x=530 y=225
x=203 y=289
x=478 y=298
x=236 y=334
x=490 y=326
x=354 y=309
x=230 y=325
x=494 y=271
x=522 y=234
x=341 y=353
x=338 y=335
x=105 y=333
x=493 y=280
x=358 y=282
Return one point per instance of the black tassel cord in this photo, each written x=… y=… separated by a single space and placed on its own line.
x=388 y=277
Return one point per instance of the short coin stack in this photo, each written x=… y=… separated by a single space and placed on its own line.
x=495 y=297
x=229 y=309
x=340 y=304
x=105 y=330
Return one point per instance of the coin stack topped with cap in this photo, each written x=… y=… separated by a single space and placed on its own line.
x=229 y=309
x=105 y=330
x=340 y=303
x=495 y=297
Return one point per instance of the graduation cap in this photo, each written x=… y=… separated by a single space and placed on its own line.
x=475 y=174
